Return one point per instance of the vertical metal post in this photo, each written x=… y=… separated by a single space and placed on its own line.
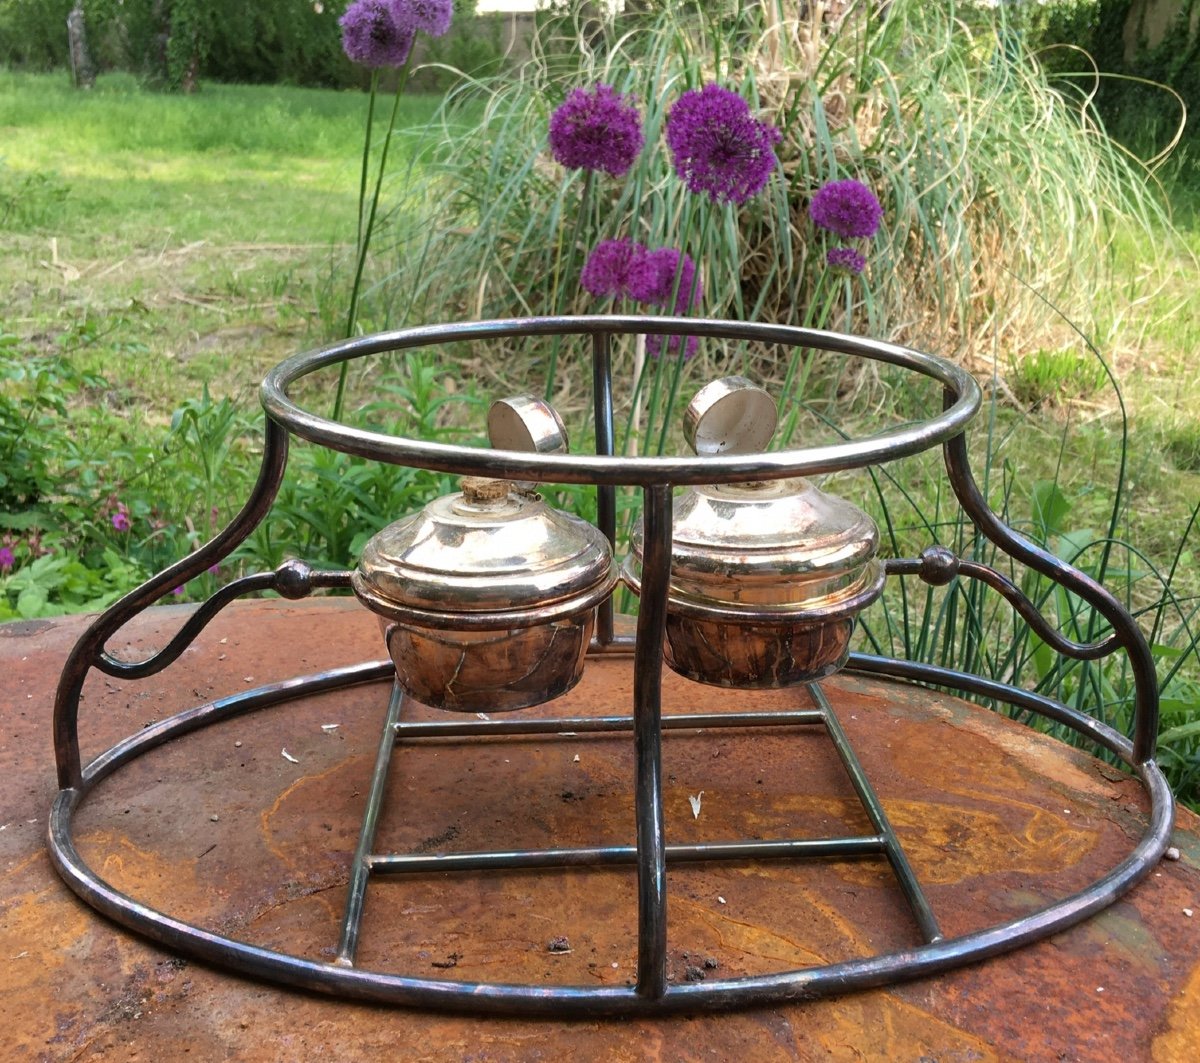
x=360 y=868
x=606 y=494
x=647 y=728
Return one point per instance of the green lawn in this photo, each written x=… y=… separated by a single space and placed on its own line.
x=187 y=239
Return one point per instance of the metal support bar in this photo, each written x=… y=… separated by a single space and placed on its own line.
x=607 y=856
x=360 y=868
x=905 y=875
x=606 y=494
x=647 y=744
x=566 y=726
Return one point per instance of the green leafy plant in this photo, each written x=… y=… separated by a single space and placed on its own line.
x=30 y=200
x=33 y=403
x=330 y=503
x=968 y=628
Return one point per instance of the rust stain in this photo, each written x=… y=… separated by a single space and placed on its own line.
x=750 y=939
x=947 y=843
x=1026 y=747
x=884 y=1027
x=46 y=936
x=302 y=787
x=1180 y=1041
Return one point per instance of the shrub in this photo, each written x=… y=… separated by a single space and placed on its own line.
x=999 y=193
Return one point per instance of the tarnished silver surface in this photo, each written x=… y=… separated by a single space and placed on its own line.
x=782 y=547
x=730 y=416
x=527 y=424
x=609 y=469
x=487 y=597
x=766 y=576
x=484 y=549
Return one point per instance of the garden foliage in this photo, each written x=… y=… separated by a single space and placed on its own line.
x=992 y=199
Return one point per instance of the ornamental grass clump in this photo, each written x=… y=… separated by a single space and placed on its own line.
x=997 y=193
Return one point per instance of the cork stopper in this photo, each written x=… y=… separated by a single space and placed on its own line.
x=482 y=490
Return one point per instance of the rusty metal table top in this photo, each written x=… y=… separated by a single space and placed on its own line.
x=996 y=818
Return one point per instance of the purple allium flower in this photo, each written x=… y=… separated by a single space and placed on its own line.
x=718 y=147
x=654 y=345
x=652 y=279
x=378 y=32
x=597 y=129
x=848 y=208
x=7 y=560
x=430 y=16
x=845 y=258
x=609 y=267
x=120 y=520
x=178 y=592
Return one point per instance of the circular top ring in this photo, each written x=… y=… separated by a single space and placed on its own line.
x=962 y=402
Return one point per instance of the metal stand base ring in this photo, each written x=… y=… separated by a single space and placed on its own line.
x=560 y=1000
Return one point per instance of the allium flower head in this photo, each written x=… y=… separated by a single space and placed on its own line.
x=608 y=268
x=7 y=560
x=654 y=345
x=661 y=273
x=848 y=208
x=845 y=259
x=627 y=270
x=378 y=33
x=718 y=147
x=596 y=129
x=429 y=16
x=653 y=279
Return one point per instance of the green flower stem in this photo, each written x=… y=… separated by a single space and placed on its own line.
x=681 y=358
x=835 y=380
x=365 y=232
x=366 y=157
x=816 y=314
x=633 y=423
x=564 y=278
x=656 y=387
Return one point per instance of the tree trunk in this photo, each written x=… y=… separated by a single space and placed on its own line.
x=83 y=69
